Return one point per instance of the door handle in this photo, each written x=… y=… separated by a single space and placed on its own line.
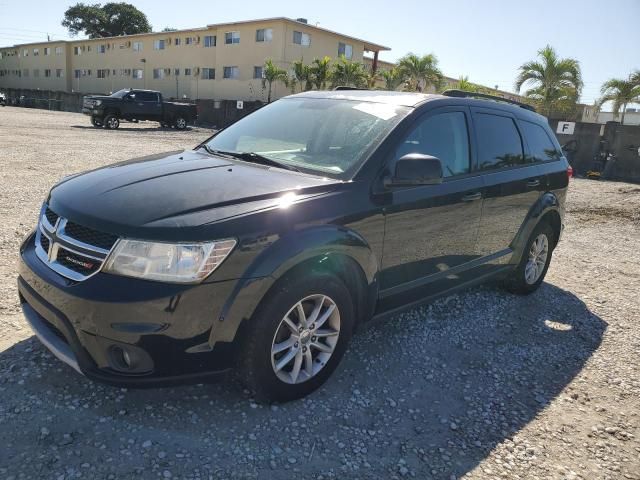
x=533 y=183
x=472 y=197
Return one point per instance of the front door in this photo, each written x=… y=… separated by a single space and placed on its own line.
x=432 y=229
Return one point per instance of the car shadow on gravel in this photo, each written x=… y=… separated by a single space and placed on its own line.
x=132 y=129
x=428 y=393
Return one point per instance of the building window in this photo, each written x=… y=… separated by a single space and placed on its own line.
x=210 y=41
x=264 y=35
x=208 y=73
x=137 y=46
x=158 y=44
x=187 y=72
x=346 y=50
x=176 y=71
x=188 y=40
x=300 y=38
x=36 y=52
x=231 y=38
x=86 y=72
x=25 y=53
x=47 y=51
x=58 y=50
x=102 y=48
x=231 y=72
x=47 y=73
x=36 y=72
x=257 y=72
x=103 y=73
x=137 y=73
x=77 y=51
x=25 y=73
x=176 y=41
x=158 y=73
x=77 y=73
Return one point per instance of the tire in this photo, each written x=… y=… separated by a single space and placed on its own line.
x=111 y=122
x=96 y=122
x=180 y=123
x=265 y=370
x=530 y=273
x=164 y=125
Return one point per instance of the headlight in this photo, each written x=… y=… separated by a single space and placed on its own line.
x=166 y=262
x=97 y=103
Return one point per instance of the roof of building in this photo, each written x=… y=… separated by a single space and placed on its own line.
x=400 y=99
x=369 y=46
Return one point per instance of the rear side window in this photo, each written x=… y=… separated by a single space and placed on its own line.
x=146 y=97
x=541 y=148
x=499 y=143
x=443 y=135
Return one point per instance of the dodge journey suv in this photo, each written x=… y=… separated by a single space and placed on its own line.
x=265 y=247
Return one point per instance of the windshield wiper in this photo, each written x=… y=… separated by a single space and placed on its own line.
x=252 y=158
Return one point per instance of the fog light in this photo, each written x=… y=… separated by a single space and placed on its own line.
x=126 y=358
x=121 y=359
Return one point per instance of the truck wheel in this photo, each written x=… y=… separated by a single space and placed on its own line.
x=297 y=338
x=180 y=123
x=96 y=122
x=111 y=122
x=164 y=125
x=530 y=272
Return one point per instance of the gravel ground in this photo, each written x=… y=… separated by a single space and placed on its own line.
x=482 y=384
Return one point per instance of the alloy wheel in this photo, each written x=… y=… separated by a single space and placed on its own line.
x=305 y=339
x=538 y=254
x=181 y=123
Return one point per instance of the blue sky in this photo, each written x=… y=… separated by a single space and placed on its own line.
x=486 y=39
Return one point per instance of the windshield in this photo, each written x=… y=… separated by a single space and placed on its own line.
x=323 y=136
x=120 y=93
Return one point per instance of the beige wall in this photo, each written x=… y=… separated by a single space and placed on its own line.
x=120 y=55
x=24 y=57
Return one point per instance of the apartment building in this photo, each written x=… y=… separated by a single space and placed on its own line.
x=219 y=61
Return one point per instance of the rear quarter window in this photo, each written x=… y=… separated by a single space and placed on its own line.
x=541 y=147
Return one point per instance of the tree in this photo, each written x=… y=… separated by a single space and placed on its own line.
x=556 y=83
x=421 y=72
x=348 y=74
x=320 y=72
x=302 y=74
x=271 y=74
x=110 y=20
x=620 y=93
x=466 y=85
x=393 y=78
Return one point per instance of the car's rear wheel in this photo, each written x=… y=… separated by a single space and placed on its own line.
x=111 y=122
x=96 y=122
x=297 y=338
x=530 y=272
x=180 y=123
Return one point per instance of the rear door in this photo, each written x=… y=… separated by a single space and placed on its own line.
x=512 y=182
x=150 y=105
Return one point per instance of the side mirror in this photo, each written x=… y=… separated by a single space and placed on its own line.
x=130 y=98
x=416 y=169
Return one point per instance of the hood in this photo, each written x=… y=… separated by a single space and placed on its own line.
x=177 y=189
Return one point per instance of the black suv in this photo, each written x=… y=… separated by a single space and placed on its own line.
x=267 y=245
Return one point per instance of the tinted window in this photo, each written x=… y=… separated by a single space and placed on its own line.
x=146 y=97
x=444 y=136
x=499 y=143
x=541 y=147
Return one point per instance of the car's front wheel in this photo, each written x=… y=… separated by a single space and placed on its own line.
x=530 y=272
x=296 y=338
x=96 y=122
x=111 y=122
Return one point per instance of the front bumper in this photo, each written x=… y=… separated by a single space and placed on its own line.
x=166 y=329
x=94 y=112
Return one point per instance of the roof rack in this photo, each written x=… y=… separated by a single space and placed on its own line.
x=465 y=94
x=344 y=87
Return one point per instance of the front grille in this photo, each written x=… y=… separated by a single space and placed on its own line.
x=77 y=263
x=72 y=250
x=52 y=217
x=90 y=236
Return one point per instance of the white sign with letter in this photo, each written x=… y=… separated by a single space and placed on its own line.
x=566 y=128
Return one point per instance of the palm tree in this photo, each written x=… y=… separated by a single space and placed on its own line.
x=556 y=83
x=302 y=74
x=271 y=74
x=621 y=93
x=348 y=74
x=421 y=72
x=466 y=85
x=371 y=78
x=320 y=71
x=393 y=78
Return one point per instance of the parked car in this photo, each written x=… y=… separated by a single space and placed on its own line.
x=136 y=105
x=265 y=247
x=3 y=99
